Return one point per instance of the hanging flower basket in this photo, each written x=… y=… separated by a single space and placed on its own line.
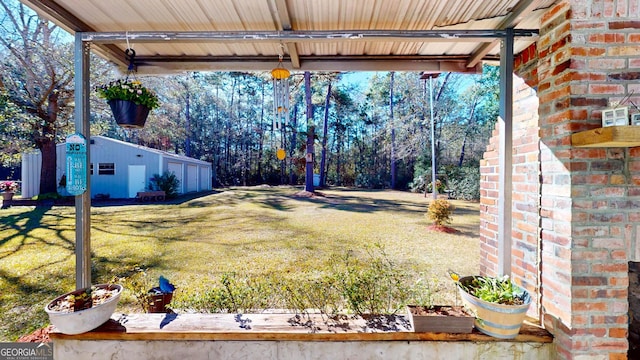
x=128 y=114
x=130 y=102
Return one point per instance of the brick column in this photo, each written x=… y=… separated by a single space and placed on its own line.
x=586 y=207
x=526 y=185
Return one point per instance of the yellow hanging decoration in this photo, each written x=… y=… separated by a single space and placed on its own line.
x=280 y=78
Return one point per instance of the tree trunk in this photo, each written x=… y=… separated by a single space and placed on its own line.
x=47 y=146
x=308 y=183
x=393 y=134
x=261 y=139
x=323 y=158
x=216 y=147
x=338 y=161
x=283 y=145
x=466 y=133
x=227 y=156
x=187 y=116
x=292 y=149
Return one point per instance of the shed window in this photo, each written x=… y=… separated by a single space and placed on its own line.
x=106 y=169
x=91 y=169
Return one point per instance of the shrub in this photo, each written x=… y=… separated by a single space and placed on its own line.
x=466 y=182
x=138 y=283
x=440 y=211
x=440 y=186
x=231 y=293
x=374 y=285
x=167 y=182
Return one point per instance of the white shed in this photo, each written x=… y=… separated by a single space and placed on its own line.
x=121 y=169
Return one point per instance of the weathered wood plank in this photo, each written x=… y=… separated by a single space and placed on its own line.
x=276 y=327
x=611 y=136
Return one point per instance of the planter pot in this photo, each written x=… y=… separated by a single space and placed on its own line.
x=7 y=196
x=129 y=114
x=497 y=320
x=438 y=318
x=78 y=322
x=159 y=301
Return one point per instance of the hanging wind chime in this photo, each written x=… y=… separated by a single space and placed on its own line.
x=280 y=79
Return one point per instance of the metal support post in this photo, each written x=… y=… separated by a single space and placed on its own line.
x=83 y=202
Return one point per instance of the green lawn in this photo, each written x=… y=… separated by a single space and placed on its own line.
x=254 y=231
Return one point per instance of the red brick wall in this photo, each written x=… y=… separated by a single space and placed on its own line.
x=526 y=184
x=526 y=191
x=588 y=55
x=489 y=208
x=526 y=197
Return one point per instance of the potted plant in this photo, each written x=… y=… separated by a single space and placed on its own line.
x=8 y=188
x=498 y=304
x=160 y=296
x=130 y=102
x=151 y=299
x=84 y=309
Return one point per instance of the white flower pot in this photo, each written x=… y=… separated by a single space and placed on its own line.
x=78 y=322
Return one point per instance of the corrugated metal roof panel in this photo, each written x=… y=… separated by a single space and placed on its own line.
x=303 y=15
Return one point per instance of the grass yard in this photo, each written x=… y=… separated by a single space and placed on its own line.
x=257 y=231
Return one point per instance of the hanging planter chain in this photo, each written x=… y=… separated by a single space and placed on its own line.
x=130 y=102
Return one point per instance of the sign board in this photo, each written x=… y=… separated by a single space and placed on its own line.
x=281 y=154
x=76 y=159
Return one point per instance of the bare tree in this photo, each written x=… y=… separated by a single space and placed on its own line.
x=37 y=76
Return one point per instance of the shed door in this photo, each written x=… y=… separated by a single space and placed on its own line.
x=176 y=169
x=204 y=179
x=192 y=178
x=137 y=178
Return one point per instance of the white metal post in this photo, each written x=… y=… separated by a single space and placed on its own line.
x=83 y=202
x=505 y=123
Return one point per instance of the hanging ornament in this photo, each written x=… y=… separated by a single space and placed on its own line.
x=280 y=77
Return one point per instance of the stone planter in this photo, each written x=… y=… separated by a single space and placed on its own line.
x=129 y=114
x=497 y=320
x=438 y=318
x=77 y=322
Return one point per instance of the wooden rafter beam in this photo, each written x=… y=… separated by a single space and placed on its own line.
x=170 y=64
x=284 y=23
x=522 y=9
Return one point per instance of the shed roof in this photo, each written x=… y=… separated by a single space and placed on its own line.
x=162 y=153
x=432 y=36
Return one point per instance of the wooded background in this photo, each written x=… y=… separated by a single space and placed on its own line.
x=369 y=131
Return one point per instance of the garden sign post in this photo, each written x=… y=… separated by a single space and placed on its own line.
x=76 y=160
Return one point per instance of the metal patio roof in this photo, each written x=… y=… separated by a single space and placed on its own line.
x=370 y=35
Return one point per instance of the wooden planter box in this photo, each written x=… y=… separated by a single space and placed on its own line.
x=440 y=318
